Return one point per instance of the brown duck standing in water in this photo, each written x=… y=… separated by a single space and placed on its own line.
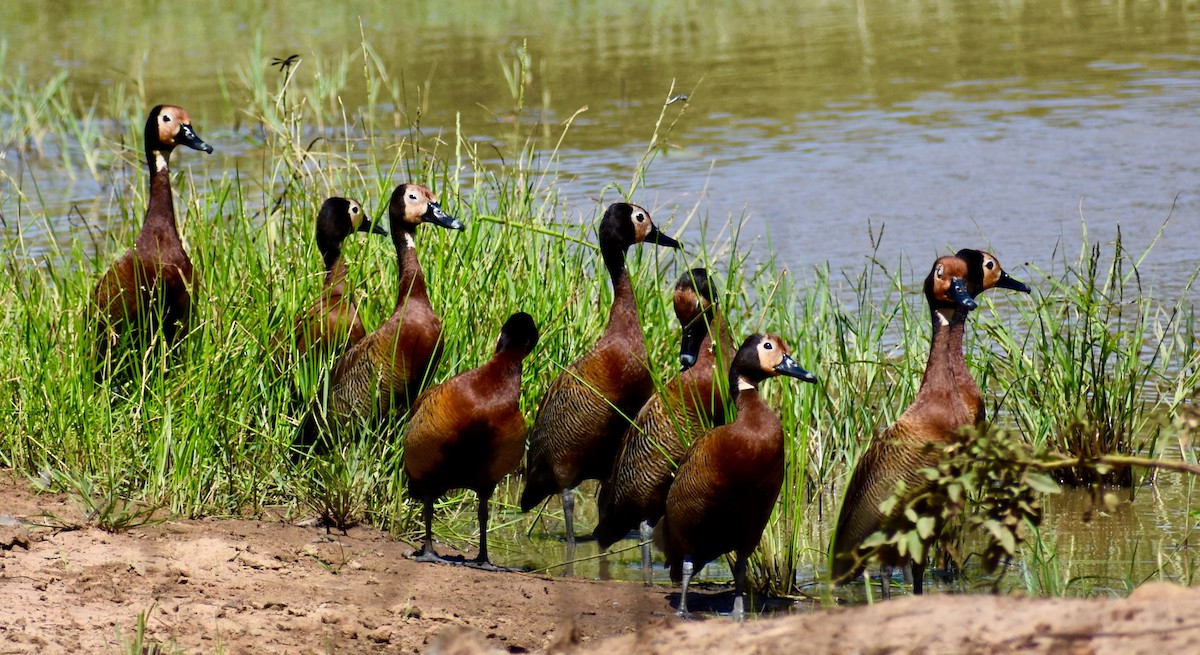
x=943 y=406
x=383 y=373
x=670 y=421
x=468 y=432
x=331 y=323
x=589 y=405
x=149 y=287
x=729 y=480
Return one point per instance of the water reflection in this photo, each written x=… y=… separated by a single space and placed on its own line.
x=1092 y=551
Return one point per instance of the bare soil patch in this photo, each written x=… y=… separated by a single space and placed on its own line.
x=248 y=586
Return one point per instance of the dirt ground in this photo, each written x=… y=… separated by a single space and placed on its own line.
x=243 y=586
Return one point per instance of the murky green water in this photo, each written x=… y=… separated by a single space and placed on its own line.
x=945 y=124
x=1089 y=550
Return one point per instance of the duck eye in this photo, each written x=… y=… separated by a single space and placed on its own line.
x=939 y=271
x=768 y=346
x=639 y=217
x=990 y=265
x=354 y=210
x=166 y=119
x=412 y=196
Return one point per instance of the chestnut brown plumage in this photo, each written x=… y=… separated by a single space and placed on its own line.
x=587 y=407
x=730 y=478
x=944 y=405
x=383 y=373
x=149 y=287
x=468 y=432
x=331 y=323
x=670 y=421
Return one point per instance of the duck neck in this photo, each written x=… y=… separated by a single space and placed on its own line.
x=745 y=397
x=623 y=316
x=721 y=341
x=940 y=386
x=939 y=366
x=335 y=271
x=967 y=387
x=752 y=412
x=159 y=227
x=511 y=364
x=412 y=279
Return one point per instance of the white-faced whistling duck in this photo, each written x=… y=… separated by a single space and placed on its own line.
x=468 y=432
x=331 y=323
x=156 y=274
x=729 y=480
x=670 y=421
x=383 y=373
x=943 y=407
x=588 y=406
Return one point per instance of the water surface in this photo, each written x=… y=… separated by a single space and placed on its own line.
x=944 y=124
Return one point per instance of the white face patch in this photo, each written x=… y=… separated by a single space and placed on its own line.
x=943 y=316
x=160 y=162
x=408 y=240
x=743 y=384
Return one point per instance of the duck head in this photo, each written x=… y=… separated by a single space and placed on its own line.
x=338 y=219
x=946 y=287
x=413 y=204
x=764 y=356
x=694 y=299
x=519 y=334
x=169 y=126
x=624 y=225
x=985 y=273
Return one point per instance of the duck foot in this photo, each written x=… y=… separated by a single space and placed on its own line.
x=429 y=555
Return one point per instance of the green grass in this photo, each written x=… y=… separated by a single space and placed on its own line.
x=1090 y=364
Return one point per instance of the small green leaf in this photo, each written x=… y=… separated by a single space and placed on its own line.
x=925 y=526
x=875 y=540
x=1004 y=537
x=1042 y=483
x=888 y=505
x=916 y=547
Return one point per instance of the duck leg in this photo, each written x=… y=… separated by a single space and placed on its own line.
x=918 y=575
x=568 y=503
x=739 y=590
x=646 y=534
x=885 y=582
x=481 y=560
x=427 y=554
x=687 y=580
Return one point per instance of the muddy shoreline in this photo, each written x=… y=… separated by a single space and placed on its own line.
x=254 y=586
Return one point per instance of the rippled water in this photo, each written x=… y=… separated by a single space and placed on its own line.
x=944 y=124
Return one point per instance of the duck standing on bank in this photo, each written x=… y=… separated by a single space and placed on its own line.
x=729 y=480
x=589 y=405
x=149 y=287
x=469 y=432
